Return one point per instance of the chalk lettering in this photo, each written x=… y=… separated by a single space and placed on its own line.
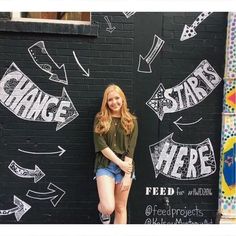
x=182 y=161
x=23 y=98
x=193 y=90
x=159 y=191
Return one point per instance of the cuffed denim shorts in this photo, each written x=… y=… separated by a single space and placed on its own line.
x=111 y=170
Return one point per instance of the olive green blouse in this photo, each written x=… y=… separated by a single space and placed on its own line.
x=116 y=140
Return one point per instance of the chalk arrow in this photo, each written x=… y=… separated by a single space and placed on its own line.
x=61 y=152
x=110 y=29
x=54 y=195
x=20 y=209
x=85 y=72
x=189 y=31
x=178 y=124
x=185 y=95
x=183 y=161
x=128 y=14
x=45 y=62
x=144 y=65
x=37 y=174
x=27 y=101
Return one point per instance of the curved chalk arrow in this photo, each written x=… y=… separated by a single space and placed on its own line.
x=20 y=209
x=45 y=62
x=27 y=101
x=61 y=152
x=144 y=65
x=55 y=194
x=37 y=174
x=110 y=29
x=189 y=31
x=85 y=72
x=178 y=124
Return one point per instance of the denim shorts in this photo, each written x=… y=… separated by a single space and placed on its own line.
x=111 y=170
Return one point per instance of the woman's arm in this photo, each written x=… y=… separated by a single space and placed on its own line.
x=124 y=165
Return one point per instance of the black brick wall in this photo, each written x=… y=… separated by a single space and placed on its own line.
x=111 y=58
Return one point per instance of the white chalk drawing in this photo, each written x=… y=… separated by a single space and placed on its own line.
x=28 y=102
x=54 y=194
x=20 y=209
x=144 y=64
x=178 y=124
x=183 y=161
x=37 y=174
x=200 y=192
x=85 y=72
x=61 y=152
x=129 y=14
x=193 y=90
x=189 y=31
x=172 y=212
x=110 y=29
x=45 y=62
x=174 y=215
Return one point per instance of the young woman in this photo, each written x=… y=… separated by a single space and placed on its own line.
x=115 y=135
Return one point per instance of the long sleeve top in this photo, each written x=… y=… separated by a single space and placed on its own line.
x=116 y=140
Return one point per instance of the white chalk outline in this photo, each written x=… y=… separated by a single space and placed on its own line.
x=37 y=174
x=185 y=124
x=87 y=74
x=157 y=45
x=191 y=29
x=61 y=152
x=20 y=209
x=43 y=48
x=183 y=144
x=14 y=68
x=48 y=195
x=128 y=14
x=110 y=29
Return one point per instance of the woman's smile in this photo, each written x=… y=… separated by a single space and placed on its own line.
x=114 y=102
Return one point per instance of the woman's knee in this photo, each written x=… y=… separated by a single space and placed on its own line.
x=107 y=208
x=120 y=207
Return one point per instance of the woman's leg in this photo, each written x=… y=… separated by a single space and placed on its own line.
x=121 y=198
x=106 y=186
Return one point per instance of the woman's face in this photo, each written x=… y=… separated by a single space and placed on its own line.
x=114 y=102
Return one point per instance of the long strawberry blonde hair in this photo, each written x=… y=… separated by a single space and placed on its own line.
x=104 y=117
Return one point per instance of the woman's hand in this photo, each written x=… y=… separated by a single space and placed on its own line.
x=126 y=182
x=126 y=167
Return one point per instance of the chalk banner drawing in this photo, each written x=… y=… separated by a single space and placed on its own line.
x=77 y=61
x=45 y=62
x=144 y=64
x=37 y=174
x=183 y=161
x=20 y=209
x=193 y=90
x=28 y=102
x=109 y=29
x=54 y=194
x=129 y=14
x=189 y=31
x=61 y=152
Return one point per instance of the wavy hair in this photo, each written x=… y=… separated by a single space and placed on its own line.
x=104 y=116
